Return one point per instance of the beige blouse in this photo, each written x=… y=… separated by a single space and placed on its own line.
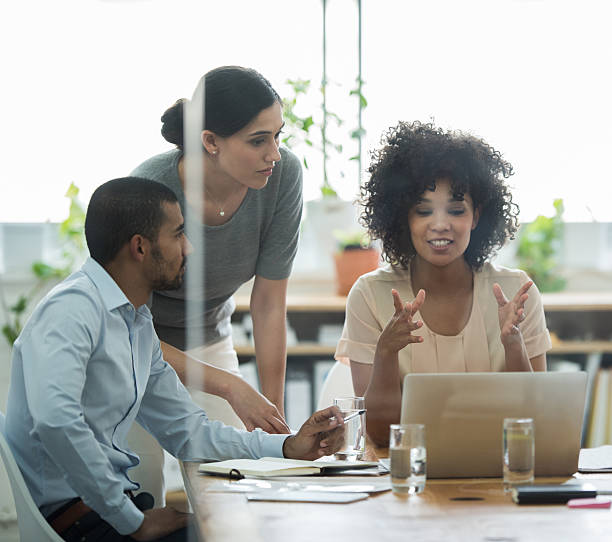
x=477 y=348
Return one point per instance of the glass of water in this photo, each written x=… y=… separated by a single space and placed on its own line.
x=518 y=452
x=408 y=458
x=354 y=429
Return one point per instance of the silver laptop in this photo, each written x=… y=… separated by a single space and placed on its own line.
x=463 y=415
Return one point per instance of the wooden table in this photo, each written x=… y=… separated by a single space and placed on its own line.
x=448 y=510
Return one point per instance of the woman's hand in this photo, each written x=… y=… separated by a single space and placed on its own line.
x=254 y=409
x=398 y=331
x=251 y=406
x=511 y=313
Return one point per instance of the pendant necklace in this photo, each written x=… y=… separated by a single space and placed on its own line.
x=220 y=210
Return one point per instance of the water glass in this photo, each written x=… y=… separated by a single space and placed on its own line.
x=518 y=452
x=354 y=429
x=408 y=458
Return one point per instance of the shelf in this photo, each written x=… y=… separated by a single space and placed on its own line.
x=301 y=349
x=581 y=347
x=553 y=302
x=558 y=307
x=559 y=347
x=578 y=302
x=303 y=303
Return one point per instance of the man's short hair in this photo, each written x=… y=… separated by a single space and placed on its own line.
x=120 y=209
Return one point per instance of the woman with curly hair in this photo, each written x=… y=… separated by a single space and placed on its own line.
x=439 y=203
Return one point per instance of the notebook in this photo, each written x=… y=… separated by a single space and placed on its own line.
x=278 y=466
x=596 y=459
x=463 y=415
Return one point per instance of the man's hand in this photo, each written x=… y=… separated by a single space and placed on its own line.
x=322 y=434
x=160 y=522
x=398 y=331
x=254 y=409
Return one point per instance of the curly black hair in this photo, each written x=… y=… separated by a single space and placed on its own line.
x=413 y=156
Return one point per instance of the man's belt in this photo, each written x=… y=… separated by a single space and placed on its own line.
x=69 y=517
x=73 y=513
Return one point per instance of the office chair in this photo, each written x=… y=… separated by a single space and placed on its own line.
x=32 y=524
x=338 y=383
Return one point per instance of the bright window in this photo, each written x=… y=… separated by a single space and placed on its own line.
x=85 y=82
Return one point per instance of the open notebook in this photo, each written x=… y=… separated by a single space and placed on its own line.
x=278 y=466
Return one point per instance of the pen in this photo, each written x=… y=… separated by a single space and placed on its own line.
x=352 y=415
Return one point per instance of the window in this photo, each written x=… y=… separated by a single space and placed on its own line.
x=85 y=83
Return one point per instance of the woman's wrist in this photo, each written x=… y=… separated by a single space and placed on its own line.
x=516 y=355
x=277 y=399
x=385 y=352
x=228 y=385
x=512 y=341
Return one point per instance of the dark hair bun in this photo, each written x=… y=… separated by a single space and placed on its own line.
x=234 y=97
x=172 y=119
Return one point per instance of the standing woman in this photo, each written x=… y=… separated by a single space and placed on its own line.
x=251 y=214
x=440 y=205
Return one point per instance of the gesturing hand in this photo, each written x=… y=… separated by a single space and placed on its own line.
x=322 y=434
x=398 y=331
x=511 y=313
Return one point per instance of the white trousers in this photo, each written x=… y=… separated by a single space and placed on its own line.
x=150 y=472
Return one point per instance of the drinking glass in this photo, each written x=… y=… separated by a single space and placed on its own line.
x=518 y=452
x=408 y=458
x=354 y=429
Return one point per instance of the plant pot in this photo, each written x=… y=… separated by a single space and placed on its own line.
x=351 y=264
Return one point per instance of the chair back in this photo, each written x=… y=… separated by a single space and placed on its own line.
x=338 y=383
x=32 y=524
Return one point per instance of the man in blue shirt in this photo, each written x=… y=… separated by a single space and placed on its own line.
x=88 y=364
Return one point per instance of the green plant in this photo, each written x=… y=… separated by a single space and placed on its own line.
x=297 y=128
x=537 y=250
x=72 y=239
x=312 y=132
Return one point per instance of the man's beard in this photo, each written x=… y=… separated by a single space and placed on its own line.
x=161 y=281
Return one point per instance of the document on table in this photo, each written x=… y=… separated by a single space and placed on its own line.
x=312 y=489
x=309 y=484
x=307 y=496
x=595 y=459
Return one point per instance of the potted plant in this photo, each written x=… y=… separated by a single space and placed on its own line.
x=356 y=255
x=307 y=135
x=316 y=133
x=538 y=246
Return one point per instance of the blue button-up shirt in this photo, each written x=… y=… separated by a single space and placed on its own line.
x=86 y=365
